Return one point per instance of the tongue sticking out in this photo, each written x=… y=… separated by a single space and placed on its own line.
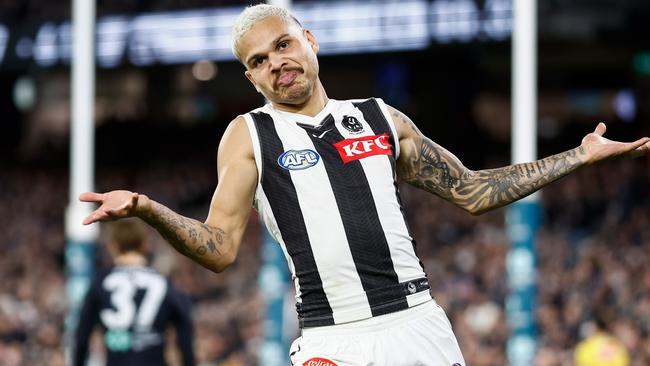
x=287 y=78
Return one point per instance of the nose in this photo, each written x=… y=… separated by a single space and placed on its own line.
x=276 y=61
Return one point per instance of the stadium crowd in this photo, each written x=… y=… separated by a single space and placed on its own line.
x=594 y=245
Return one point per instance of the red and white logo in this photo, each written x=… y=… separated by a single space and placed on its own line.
x=318 y=361
x=363 y=147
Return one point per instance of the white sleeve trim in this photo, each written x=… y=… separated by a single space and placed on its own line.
x=255 y=140
x=389 y=119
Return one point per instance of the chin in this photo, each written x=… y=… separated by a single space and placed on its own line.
x=298 y=96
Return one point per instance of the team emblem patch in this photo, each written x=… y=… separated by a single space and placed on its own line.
x=363 y=147
x=318 y=361
x=411 y=288
x=352 y=124
x=298 y=159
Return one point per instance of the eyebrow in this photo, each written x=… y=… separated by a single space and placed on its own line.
x=275 y=41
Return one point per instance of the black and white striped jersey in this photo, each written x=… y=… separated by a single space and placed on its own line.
x=328 y=194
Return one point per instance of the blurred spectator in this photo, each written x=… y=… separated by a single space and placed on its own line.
x=600 y=348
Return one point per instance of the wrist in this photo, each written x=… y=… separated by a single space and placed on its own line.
x=582 y=155
x=142 y=206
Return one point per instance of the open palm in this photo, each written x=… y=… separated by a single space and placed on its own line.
x=599 y=148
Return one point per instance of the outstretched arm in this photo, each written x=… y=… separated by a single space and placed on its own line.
x=214 y=243
x=427 y=165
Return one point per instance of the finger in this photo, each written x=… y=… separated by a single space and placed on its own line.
x=600 y=129
x=95 y=216
x=91 y=197
x=134 y=199
x=88 y=220
x=641 y=150
x=638 y=143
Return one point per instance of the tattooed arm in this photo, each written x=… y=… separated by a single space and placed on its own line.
x=428 y=166
x=214 y=243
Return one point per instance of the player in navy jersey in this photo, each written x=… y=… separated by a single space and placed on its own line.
x=322 y=175
x=134 y=306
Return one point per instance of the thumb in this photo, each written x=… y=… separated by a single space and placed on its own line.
x=600 y=129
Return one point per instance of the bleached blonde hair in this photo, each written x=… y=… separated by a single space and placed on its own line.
x=253 y=14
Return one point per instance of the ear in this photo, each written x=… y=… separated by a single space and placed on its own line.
x=313 y=42
x=250 y=78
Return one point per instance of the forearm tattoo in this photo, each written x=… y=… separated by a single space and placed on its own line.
x=190 y=237
x=435 y=170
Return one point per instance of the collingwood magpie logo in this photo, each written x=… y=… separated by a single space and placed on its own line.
x=352 y=124
x=411 y=288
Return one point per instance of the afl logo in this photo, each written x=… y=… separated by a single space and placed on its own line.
x=298 y=159
x=352 y=124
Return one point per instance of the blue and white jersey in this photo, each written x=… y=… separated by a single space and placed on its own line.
x=328 y=194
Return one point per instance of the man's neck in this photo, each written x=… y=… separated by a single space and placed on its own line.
x=130 y=259
x=311 y=107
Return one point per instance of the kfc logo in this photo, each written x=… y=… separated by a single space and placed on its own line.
x=317 y=361
x=363 y=147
